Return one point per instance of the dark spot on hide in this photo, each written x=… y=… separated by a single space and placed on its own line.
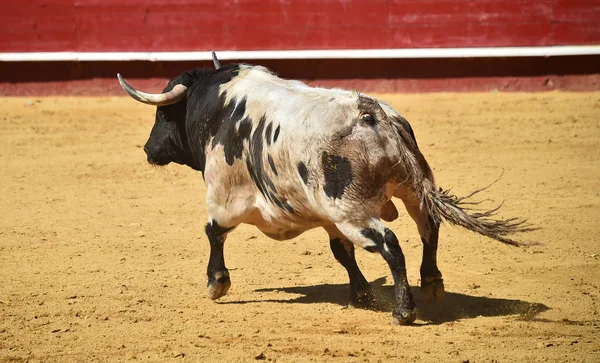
x=303 y=172
x=230 y=135
x=337 y=171
x=373 y=178
x=270 y=184
x=263 y=183
x=276 y=135
x=273 y=198
x=272 y=164
x=288 y=207
x=268 y=134
x=389 y=239
x=254 y=161
x=374 y=236
x=245 y=129
x=254 y=177
x=256 y=168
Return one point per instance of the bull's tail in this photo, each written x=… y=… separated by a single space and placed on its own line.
x=442 y=205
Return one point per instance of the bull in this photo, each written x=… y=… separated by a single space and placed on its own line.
x=286 y=158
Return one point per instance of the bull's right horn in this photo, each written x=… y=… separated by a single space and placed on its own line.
x=175 y=95
x=215 y=60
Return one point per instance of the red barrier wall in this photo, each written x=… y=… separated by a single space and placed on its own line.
x=185 y=25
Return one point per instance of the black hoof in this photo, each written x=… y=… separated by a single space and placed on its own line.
x=218 y=285
x=433 y=290
x=362 y=299
x=404 y=317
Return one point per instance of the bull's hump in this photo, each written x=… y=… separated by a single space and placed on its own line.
x=263 y=85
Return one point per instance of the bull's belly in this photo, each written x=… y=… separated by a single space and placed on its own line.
x=282 y=235
x=285 y=231
x=280 y=224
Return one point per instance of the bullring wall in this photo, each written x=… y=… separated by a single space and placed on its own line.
x=41 y=26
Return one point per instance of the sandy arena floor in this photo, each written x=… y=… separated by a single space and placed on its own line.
x=103 y=257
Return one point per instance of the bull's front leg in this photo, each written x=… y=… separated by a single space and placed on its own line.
x=218 y=275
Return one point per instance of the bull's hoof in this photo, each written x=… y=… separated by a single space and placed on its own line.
x=404 y=317
x=362 y=299
x=218 y=285
x=433 y=291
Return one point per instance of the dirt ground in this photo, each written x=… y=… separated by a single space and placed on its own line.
x=103 y=257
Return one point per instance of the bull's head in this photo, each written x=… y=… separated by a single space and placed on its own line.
x=168 y=139
x=164 y=144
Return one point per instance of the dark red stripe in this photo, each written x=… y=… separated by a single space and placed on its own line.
x=369 y=75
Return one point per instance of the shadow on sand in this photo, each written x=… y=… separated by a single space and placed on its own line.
x=455 y=306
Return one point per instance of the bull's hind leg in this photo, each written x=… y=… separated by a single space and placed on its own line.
x=375 y=237
x=218 y=275
x=343 y=251
x=432 y=284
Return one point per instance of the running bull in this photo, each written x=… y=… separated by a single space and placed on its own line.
x=286 y=157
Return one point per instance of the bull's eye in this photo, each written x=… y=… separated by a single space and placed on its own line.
x=368 y=119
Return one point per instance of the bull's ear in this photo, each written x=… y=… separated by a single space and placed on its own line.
x=216 y=62
x=175 y=95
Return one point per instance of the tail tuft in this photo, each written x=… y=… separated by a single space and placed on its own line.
x=444 y=206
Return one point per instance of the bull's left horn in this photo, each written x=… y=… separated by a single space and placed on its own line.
x=175 y=95
x=216 y=62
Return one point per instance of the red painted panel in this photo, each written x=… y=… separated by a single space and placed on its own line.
x=141 y=3
x=471 y=35
x=347 y=38
x=577 y=11
x=511 y=11
x=312 y=13
x=180 y=25
x=43 y=28
x=15 y=21
x=313 y=38
x=191 y=27
x=131 y=28
x=112 y=27
x=459 y=11
x=576 y=33
x=170 y=18
x=35 y=3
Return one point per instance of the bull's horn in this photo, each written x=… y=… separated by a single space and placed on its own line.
x=215 y=60
x=175 y=95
